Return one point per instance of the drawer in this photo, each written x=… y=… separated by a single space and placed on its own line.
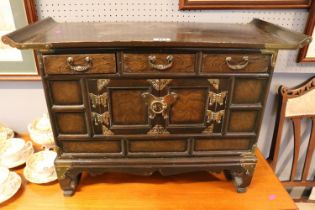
x=158 y=63
x=157 y=146
x=91 y=146
x=221 y=144
x=80 y=63
x=235 y=63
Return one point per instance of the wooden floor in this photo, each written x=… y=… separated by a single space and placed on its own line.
x=188 y=191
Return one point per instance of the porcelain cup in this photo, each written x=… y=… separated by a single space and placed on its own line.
x=15 y=149
x=42 y=163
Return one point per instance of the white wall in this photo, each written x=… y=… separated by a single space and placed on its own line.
x=20 y=103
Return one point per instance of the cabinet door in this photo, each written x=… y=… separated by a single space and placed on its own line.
x=199 y=106
x=118 y=106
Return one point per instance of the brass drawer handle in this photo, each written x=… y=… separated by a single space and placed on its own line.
x=79 y=68
x=238 y=66
x=160 y=67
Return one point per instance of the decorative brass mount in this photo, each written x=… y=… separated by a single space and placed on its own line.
x=214 y=116
x=157 y=130
x=159 y=105
x=159 y=84
x=215 y=83
x=101 y=83
x=97 y=100
x=100 y=119
x=217 y=98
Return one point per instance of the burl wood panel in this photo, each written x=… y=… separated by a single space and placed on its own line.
x=139 y=63
x=217 y=63
x=128 y=107
x=189 y=107
x=249 y=91
x=243 y=121
x=92 y=147
x=101 y=63
x=157 y=145
x=71 y=123
x=66 y=92
x=221 y=144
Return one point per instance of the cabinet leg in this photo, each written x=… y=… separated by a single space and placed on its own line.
x=68 y=180
x=228 y=174
x=242 y=179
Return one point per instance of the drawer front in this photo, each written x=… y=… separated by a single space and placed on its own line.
x=221 y=144
x=158 y=63
x=90 y=146
x=80 y=63
x=235 y=63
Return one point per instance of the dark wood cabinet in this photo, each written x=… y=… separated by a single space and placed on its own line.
x=174 y=98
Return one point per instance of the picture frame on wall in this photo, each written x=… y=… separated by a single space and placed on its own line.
x=243 y=4
x=307 y=53
x=17 y=64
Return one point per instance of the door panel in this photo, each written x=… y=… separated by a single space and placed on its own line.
x=189 y=107
x=118 y=106
x=199 y=107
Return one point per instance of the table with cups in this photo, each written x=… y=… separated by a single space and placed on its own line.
x=17 y=152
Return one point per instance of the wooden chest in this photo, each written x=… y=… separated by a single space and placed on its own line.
x=146 y=97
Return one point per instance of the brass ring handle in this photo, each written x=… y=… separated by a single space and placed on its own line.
x=160 y=67
x=238 y=66
x=79 y=68
x=159 y=105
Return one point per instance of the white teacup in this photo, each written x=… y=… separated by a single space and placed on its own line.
x=42 y=163
x=15 y=149
x=4 y=174
x=5 y=133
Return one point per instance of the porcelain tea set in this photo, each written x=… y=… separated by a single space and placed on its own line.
x=15 y=152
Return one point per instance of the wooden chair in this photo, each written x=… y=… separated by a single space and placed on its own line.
x=296 y=104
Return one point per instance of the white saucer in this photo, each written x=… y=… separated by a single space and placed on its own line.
x=12 y=187
x=38 y=178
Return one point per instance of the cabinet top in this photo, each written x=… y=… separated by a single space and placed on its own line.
x=47 y=34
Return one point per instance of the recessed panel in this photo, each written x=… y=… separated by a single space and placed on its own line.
x=66 y=92
x=128 y=107
x=157 y=145
x=92 y=147
x=189 y=107
x=71 y=123
x=249 y=91
x=221 y=144
x=243 y=121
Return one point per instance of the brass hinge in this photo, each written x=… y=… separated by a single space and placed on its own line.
x=100 y=119
x=217 y=98
x=215 y=116
x=97 y=100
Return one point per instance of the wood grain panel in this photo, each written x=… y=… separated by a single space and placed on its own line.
x=221 y=144
x=101 y=63
x=189 y=107
x=139 y=63
x=249 y=91
x=128 y=107
x=71 y=123
x=243 y=121
x=217 y=63
x=92 y=147
x=157 y=145
x=66 y=92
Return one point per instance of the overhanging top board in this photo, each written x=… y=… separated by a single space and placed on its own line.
x=47 y=34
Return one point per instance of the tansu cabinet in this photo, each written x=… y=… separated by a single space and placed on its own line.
x=146 y=97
